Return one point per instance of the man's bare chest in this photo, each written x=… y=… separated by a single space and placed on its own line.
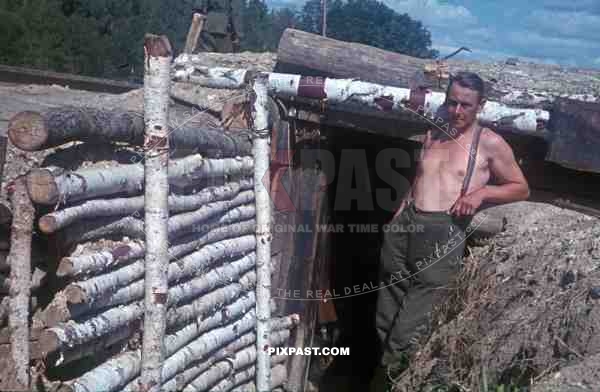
x=447 y=160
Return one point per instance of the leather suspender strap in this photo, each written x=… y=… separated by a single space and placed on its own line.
x=472 y=161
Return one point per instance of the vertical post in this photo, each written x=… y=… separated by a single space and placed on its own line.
x=324 y=18
x=262 y=184
x=194 y=32
x=19 y=259
x=157 y=66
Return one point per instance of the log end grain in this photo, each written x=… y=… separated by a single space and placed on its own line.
x=27 y=130
x=74 y=294
x=48 y=343
x=65 y=267
x=47 y=224
x=42 y=187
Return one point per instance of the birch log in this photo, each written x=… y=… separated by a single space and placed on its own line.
x=20 y=278
x=355 y=96
x=237 y=221
x=224 y=369
x=261 y=154
x=193 y=372
x=156 y=208
x=244 y=375
x=205 y=305
x=93 y=348
x=32 y=131
x=99 y=287
x=57 y=220
x=131 y=226
x=206 y=344
x=278 y=377
x=74 y=333
x=52 y=185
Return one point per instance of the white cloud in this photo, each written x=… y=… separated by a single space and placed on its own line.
x=433 y=13
x=597 y=60
x=567 y=24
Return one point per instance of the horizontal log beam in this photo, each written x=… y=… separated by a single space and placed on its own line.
x=354 y=95
x=33 y=131
x=52 y=185
x=90 y=209
x=238 y=219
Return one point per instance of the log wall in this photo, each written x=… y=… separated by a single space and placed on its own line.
x=85 y=333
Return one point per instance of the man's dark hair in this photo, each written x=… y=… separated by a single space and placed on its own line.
x=469 y=80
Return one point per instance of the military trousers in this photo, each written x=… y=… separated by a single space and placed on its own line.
x=420 y=258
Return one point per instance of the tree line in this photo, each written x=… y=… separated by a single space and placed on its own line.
x=105 y=37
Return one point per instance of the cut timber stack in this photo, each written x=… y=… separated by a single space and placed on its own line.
x=86 y=335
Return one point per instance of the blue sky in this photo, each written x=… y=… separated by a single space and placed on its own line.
x=565 y=32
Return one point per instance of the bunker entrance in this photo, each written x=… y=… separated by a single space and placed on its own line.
x=370 y=175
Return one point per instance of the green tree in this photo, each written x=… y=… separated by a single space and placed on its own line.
x=369 y=22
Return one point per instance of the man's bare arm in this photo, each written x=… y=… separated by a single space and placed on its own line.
x=513 y=186
x=503 y=165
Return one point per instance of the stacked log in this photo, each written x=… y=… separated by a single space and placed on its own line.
x=92 y=216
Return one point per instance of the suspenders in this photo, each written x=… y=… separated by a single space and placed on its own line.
x=472 y=161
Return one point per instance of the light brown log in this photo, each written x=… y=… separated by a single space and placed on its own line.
x=194 y=32
x=33 y=131
x=300 y=52
x=20 y=276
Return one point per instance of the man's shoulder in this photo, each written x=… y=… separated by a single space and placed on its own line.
x=491 y=138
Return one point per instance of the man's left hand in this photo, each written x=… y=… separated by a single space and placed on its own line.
x=468 y=204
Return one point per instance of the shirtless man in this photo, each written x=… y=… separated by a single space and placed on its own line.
x=450 y=185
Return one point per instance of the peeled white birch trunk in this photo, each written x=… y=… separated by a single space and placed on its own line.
x=261 y=153
x=52 y=185
x=20 y=280
x=351 y=94
x=236 y=220
x=156 y=208
x=90 y=209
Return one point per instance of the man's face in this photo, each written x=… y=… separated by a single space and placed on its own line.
x=462 y=104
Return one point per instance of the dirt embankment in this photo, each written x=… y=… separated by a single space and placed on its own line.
x=526 y=311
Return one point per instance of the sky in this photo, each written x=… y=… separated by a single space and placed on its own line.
x=564 y=32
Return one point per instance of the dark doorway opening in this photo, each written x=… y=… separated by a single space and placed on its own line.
x=363 y=195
